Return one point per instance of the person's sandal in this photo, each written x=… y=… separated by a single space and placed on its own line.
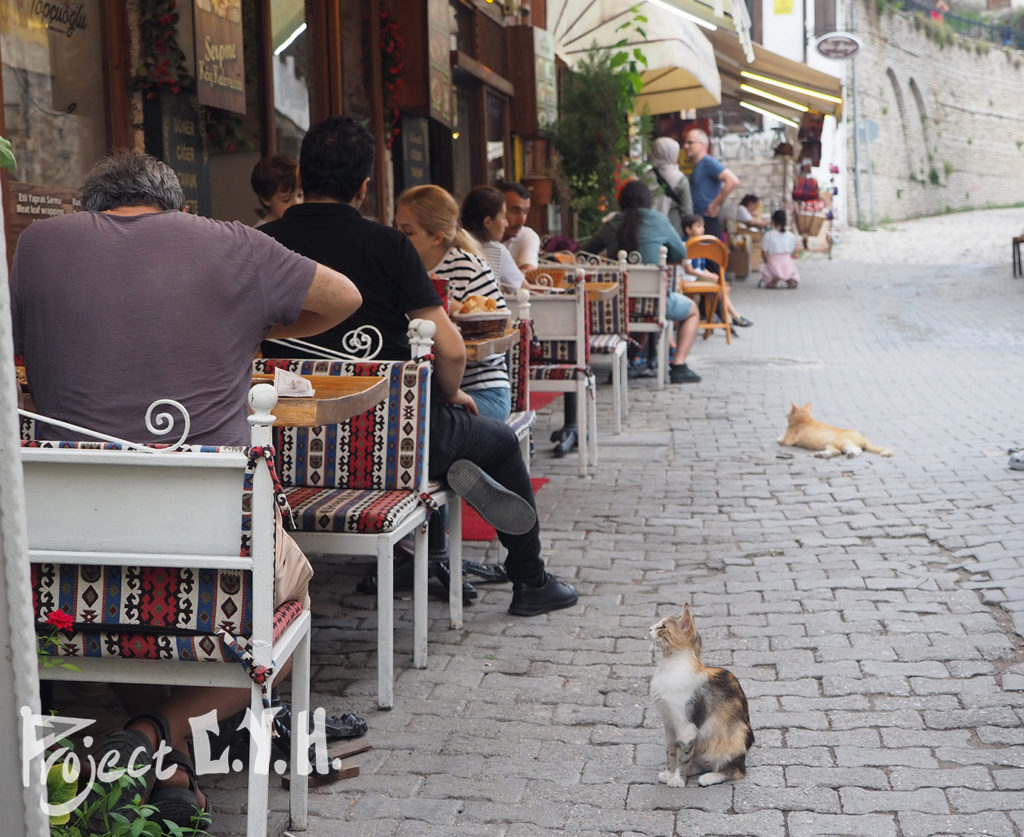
x=126 y=743
x=181 y=805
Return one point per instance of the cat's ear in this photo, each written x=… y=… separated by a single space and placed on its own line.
x=807 y=406
x=685 y=619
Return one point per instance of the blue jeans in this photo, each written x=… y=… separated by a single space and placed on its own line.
x=456 y=434
x=493 y=402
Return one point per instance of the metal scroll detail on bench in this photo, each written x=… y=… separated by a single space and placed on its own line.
x=159 y=424
x=363 y=343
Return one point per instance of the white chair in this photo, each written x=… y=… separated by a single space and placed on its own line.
x=561 y=360
x=646 y=291
x=165 y=561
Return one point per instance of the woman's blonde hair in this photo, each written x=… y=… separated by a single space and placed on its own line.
x=437 y=212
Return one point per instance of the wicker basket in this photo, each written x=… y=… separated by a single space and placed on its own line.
x=809 y=223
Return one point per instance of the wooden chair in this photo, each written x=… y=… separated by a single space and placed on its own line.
x=646 y=300
x=560 y=361
x=165 y=561
x=359 y=487
x=710 y=293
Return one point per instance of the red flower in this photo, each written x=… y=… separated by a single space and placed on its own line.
x=60 y=620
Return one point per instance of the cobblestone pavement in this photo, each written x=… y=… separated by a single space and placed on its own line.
x=872 y=608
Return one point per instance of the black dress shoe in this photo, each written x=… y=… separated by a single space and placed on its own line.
x=336 y=727
x=441 y=571
x=553 y=594
x=570 y=440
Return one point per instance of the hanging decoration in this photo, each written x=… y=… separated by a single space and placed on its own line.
x=392 y=48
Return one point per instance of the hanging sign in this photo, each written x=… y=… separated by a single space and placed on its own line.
x=837 y=45
x=220 y=63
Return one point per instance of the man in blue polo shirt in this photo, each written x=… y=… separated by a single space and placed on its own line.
x=710 y=181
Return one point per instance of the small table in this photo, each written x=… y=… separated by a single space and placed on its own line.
x=479 y=349
x=1018 y=268
x=336 y=398
x=596 y=291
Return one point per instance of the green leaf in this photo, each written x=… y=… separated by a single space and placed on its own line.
x=60 y=791
x=619 y=59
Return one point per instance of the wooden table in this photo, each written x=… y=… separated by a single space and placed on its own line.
x=479 y=349
x=336 y=398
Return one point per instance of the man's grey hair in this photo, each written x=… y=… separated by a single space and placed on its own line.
x=701 y=135
x=131 y=178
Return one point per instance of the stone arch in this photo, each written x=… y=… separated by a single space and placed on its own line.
x=920 y=129
x=901 y=106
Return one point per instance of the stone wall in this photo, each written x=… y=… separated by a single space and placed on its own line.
x=950 y=120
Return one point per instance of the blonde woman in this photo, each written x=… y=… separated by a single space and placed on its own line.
x=429 y=216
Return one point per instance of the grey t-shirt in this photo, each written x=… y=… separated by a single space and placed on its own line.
x=113 y=312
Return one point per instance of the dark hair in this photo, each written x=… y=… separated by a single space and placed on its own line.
x=512 y=186
x=481 y=202
x=336 y=157
x=272 y=175
x=689 y=221
x=131 y=178
x=633 y=196
x=749 y=200
x=779 y=219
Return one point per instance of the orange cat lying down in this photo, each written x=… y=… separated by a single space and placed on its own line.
x=804 y=432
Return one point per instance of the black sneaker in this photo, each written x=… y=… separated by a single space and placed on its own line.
x=503 y=509
x=553 y=594
x=682 y=374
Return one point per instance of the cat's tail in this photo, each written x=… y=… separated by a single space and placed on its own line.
x=870 y=448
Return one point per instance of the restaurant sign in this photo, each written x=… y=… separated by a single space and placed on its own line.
x=220 y=59
x=837 y=45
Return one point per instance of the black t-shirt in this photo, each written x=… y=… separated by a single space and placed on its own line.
x=380 y=261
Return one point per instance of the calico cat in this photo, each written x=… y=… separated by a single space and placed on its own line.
x=804 y=432
x=707 y=724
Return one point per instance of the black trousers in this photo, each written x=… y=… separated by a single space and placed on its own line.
x=456 y=434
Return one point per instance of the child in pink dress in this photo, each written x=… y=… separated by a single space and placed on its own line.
x=778 y=246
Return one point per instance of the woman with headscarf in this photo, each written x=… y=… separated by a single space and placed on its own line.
x=672 y=197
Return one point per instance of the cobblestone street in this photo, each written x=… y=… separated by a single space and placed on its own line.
x=872 y=608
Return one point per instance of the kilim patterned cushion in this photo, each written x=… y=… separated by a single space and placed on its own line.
x=519 y=368
x=558 y=372
x=608 y=316
x=189 y=647
x=521 y=421
x=643 y=310
x=381 y=449
x=605 y=344
x=349 y=510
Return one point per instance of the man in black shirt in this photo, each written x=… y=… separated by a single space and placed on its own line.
x=334 y=168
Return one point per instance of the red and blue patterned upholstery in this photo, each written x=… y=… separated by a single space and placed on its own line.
x=519 y=368
x=158 y=613
x=361 y=476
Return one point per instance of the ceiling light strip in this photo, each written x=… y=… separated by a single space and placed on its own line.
x=769 y=114
x=794 y=87
x=707 y=24
x=764 y=94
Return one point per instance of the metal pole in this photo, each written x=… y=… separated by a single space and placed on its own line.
x=856 y=126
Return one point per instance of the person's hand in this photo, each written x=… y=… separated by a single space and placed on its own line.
x=713 y=210
x=464 y=400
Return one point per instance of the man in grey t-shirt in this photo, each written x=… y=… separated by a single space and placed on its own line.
x=136 y=300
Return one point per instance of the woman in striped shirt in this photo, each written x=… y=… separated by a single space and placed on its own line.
x=429 y=216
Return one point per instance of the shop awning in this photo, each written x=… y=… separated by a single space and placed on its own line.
x=773 y=82
x=730 y=15
x=681 y=72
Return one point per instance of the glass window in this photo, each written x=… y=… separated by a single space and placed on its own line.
x=291 y=43
x=54 y=106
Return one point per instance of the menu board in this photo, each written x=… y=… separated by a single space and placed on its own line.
x=174 y=134
x=545 y=79
x=220 y=59
x=439 y=66
x=415 y=151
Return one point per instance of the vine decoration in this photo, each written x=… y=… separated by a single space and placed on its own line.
x=392 y=48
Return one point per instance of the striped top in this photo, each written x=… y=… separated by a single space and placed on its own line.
x=468 y=275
